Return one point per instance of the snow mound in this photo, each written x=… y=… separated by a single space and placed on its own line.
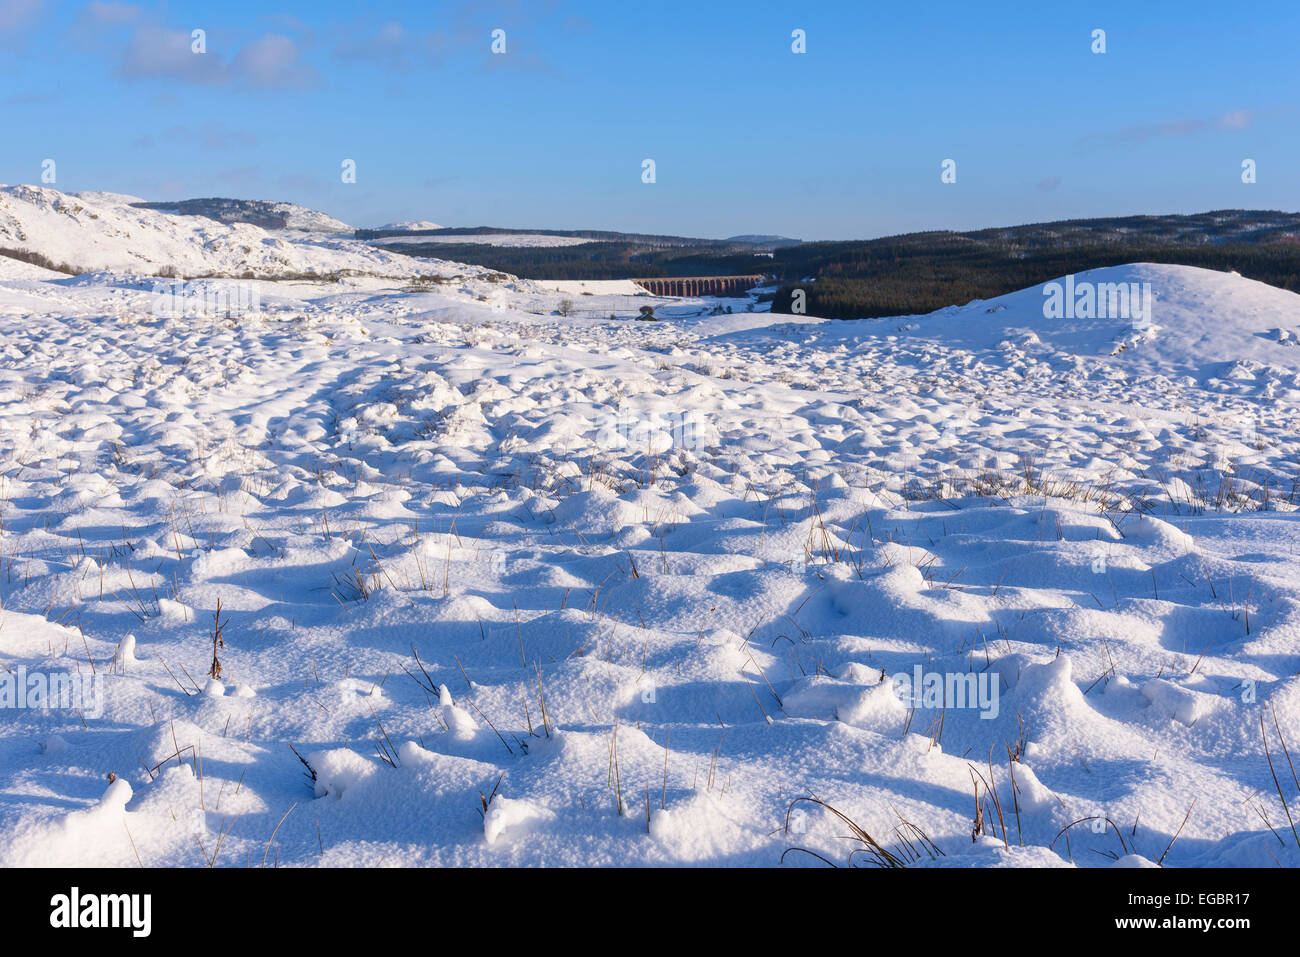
x=1183 y=321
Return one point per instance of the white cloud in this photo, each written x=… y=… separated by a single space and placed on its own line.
x=16 y=13
x=110 y=13
x=155 y=51
x=272 y=61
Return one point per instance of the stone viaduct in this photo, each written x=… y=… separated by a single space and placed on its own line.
x=700 y=285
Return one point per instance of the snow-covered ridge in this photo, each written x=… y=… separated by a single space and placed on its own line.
x=265 y=213
x=91 y=231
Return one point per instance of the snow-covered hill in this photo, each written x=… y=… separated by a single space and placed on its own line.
x=529 y=589
x=411 y=224
x=108 y=231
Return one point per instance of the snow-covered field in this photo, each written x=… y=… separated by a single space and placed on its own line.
x=579 y=287
x=521 y=589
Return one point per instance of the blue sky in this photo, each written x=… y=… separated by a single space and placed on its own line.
x=843 y=141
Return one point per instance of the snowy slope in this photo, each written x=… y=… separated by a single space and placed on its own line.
x=103 y=231
x=17 y=269
x=639 y=587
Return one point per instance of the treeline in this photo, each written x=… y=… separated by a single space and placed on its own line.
x=1218 y=226
x=924 y=272
x=582 y=261
x=602 y=260
x=256 y=212
x=36 y=259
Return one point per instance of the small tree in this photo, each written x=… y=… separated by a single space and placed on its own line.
x=647 y=313
x=565 y=307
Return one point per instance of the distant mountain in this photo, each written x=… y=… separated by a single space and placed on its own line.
x=409 y=226
x=763 y=240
